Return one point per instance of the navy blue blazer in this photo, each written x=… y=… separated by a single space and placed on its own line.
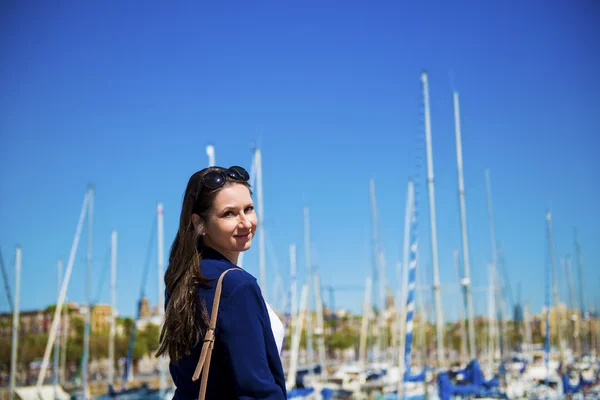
x=245 y=362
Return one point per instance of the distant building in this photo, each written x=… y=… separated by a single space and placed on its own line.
x=562 y=314
x=145 y=308
x=100 y=318
x=148 y=315
x=31 y=322
x=40 y=321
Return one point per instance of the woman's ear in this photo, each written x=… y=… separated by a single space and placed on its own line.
x=198 y=225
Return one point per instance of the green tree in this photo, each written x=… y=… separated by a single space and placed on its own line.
x=127 y=324
x=5 y=354
x=341 y=340
x=150 y=336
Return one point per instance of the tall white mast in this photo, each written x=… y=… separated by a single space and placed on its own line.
x=295 y=346
x=319 y=328
x=492 y=320
x=63 y=336
x=63 y=293
x=161 y=287
x=251 y=181
x=555 y=287
x=15 y=326
x=294 y=285
x=572 y=312
x=580 y=275
x=466 y=281
x=527 y=331
x=261 y=222
x=210 y=152
x=376 y=256
x=55 y=367
x=382 y=321
x=488 y=191
x=88 y=294
x=439 y=322
x=463 y=332
x=362 y=350
x=308 y=265
x=113 y=306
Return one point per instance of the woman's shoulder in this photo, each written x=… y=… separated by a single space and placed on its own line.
x=238 y=280
x=234 y=280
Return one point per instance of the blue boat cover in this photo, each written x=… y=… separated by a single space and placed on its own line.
x=296 y=393
x=446 y=389
x=420 y=377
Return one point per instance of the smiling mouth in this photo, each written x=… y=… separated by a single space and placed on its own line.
x=244 y=236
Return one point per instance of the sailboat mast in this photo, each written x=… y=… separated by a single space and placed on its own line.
x=407 y=309
x=574 y=317
x=210 y=152
x=113 y=306
x=580 y=273
x=308 y=265
x=408 y=220
x=88 y=293
x=375 y=250
x=364 y=325
x=161 y=286
x=434 y=249
x=461 y=316
x=261 y=222
x=492 y=321
x=240 y=262
x=382 y=322
x=555 y=287
x=527 y=326
x=62 y=296
x=319 y=328
x=294 y=287
x=290 y=382
x=15 y=326
x=488 y=191
x=55 y=367
x=466 y=280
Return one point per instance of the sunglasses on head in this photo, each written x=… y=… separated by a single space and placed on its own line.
x=216 y=179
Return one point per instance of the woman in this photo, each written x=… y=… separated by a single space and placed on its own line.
x=218 y=222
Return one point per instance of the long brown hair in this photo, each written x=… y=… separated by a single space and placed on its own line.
x=186 y=316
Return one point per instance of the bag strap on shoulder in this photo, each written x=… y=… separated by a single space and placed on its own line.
x=209 y=339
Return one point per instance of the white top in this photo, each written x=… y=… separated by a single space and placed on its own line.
x=277 y=327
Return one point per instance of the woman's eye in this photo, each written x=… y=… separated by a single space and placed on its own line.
x=228 y=214
x=249 y=209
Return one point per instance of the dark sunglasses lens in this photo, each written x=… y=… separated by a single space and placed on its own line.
x=213 y=180
x=238 y=173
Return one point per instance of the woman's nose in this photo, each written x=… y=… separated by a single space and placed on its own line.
x=245 y=222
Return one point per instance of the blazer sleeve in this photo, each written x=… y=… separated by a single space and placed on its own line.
x=242 y=319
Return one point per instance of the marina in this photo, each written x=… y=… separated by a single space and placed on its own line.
x=421 y=223
x=400 y=352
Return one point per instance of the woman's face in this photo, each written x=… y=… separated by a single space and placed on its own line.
x=231 y=223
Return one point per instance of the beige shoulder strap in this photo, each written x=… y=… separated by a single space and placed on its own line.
x=209 y=339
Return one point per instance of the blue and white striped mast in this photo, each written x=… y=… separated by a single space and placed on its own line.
x=406 y=345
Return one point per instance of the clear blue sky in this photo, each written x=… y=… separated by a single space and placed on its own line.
x=127 y=96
